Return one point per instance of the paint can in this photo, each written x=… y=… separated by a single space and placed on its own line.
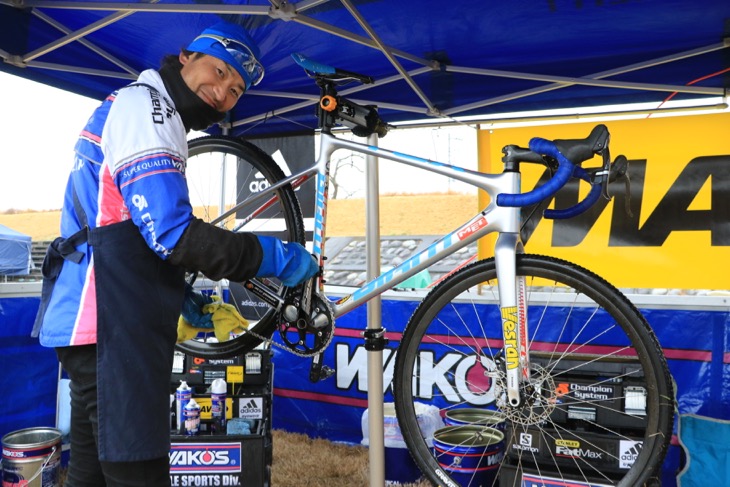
x=489 y=418
x=32 y=458
x=470 y=454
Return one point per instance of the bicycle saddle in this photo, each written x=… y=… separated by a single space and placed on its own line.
x=328 y=72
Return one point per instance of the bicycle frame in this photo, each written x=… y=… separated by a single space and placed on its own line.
x=503 y=220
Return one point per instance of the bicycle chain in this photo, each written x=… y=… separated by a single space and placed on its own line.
x=270 y=341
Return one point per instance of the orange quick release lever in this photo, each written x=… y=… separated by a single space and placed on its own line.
x=328 y=103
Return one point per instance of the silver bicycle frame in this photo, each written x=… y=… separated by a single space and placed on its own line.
x=503 y=220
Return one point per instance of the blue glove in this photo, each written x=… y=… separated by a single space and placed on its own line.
x=192 y=309
x=290 y=262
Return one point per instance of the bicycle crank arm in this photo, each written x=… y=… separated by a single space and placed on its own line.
x=317 y=371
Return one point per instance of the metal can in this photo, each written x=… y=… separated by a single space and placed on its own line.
x=218 y=405
x=191 y=414
x=183 y=394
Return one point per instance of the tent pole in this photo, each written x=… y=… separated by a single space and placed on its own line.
x=376 y=450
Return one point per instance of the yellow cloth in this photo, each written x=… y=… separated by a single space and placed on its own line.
x=226 y=320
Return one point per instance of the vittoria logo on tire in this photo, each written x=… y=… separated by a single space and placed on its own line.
x=629 y=452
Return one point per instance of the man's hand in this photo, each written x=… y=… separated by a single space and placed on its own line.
x=290 y=262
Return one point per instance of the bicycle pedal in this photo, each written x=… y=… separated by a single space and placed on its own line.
x=320 y=372
x=326 y=372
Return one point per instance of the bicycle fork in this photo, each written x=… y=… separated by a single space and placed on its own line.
x=513 y=312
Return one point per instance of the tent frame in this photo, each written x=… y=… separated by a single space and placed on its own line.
x=296 y=12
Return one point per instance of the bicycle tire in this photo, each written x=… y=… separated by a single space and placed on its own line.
x=613 y=324
x=283 y=218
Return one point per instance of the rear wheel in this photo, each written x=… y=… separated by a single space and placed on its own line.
x=224 y=176
x=598 y=406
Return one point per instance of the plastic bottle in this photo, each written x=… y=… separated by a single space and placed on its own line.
x=183 y=394
x=218 y=405
x=191 y=414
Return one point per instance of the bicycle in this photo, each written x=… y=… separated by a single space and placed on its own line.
x=560 y=353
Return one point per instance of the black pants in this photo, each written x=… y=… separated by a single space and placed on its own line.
x=85 y=469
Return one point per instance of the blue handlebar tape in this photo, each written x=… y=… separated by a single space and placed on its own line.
x=581 y=206
x=562 y=175
x=312 y=66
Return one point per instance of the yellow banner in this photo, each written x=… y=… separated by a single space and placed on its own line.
x=678 y=233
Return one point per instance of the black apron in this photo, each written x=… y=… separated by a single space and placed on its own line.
x=138 y=298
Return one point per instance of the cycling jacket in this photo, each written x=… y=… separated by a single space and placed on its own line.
x=129 y=164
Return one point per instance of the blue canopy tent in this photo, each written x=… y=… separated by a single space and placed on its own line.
x=15 y=258
x=432 y=60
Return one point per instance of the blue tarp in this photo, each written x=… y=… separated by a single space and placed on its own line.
x=333 y=408
x=431 y=59
x=29 y=377
x=15 y=259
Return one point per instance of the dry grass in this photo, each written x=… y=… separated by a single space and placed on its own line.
x=432 y=214
x=301 y=461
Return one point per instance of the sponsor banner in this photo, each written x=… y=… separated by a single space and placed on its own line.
x=694 y=359
x=673 y=230
x=205 y=458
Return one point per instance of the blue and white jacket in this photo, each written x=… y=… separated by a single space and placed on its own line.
x=129 y=163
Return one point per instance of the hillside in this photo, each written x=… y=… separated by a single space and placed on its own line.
x=400 y=215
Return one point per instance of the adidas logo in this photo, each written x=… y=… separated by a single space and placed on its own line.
x=630 y=451
x=251 y=405
x=251 y=408
x=634 y=450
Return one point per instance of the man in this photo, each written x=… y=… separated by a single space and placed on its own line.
x=114 y=282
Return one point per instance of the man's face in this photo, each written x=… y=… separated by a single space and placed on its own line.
x=213 y=80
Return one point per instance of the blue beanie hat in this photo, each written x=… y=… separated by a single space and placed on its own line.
x=232 y=44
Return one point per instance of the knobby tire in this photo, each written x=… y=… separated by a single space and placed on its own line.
x=582 y=330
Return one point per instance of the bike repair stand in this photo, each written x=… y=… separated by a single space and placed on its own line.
x=374 y=335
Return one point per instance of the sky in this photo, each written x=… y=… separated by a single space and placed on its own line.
x=40 y=124
x=39 y=127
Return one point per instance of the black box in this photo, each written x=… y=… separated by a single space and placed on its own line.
x=243 y=460
x=511 y=475
x=547 y=447
x=251 y=368
x=213 y=458
x=609 y=393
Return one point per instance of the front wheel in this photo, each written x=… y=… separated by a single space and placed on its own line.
x=599 y=403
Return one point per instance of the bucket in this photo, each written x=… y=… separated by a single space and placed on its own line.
x=400 y=468
x=32 y=458
x=476 y=416
x=470 y=454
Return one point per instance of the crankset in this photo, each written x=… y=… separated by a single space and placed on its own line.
x=308 y=334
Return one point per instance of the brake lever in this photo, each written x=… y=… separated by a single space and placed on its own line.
x=620 y=170
x=610 y=172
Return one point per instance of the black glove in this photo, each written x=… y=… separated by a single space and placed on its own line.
x=217 y=253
